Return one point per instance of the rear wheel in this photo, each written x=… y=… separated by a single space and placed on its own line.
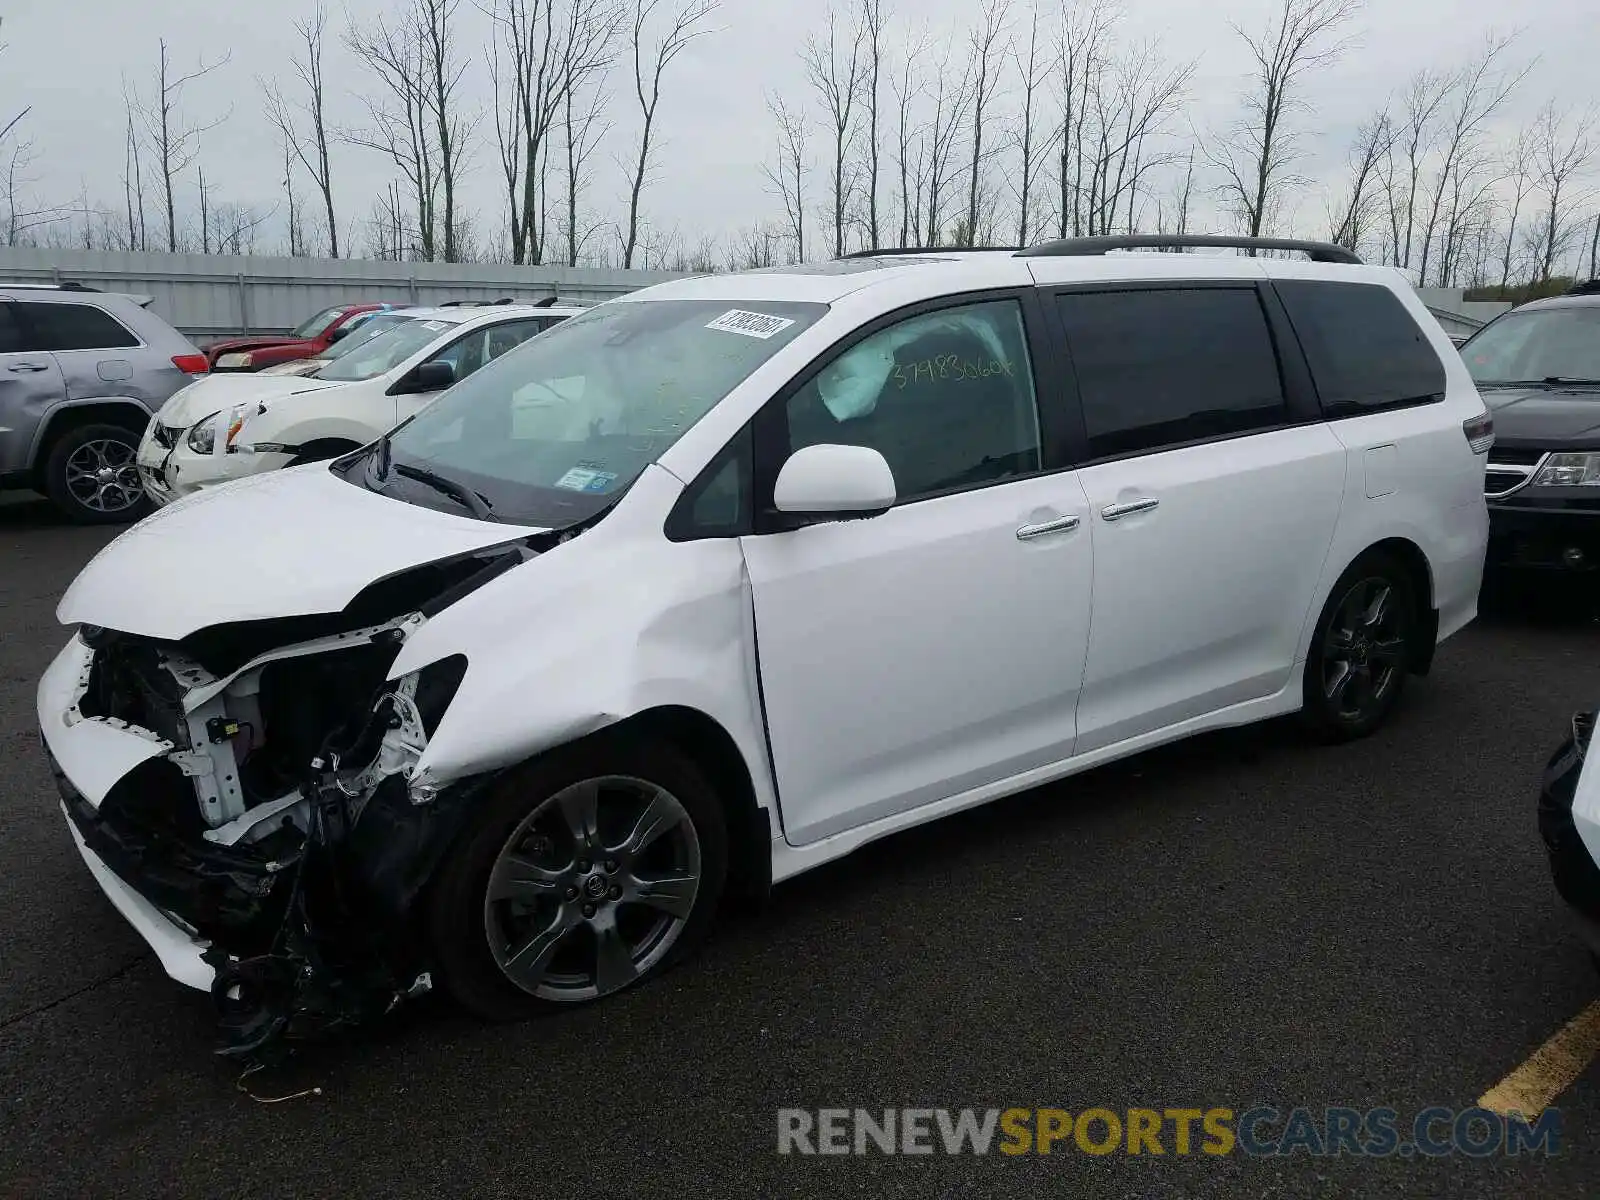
x=92 y=476
x=586 y=873
x=1362 y=650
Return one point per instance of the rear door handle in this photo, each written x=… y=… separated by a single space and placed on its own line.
x=28 y=368
x=1059 y=525
x=1115 y=512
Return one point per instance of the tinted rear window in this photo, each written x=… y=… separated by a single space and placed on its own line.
x=1164 y=366
x=74 y=327
x=1364 y=349
x=10 y=332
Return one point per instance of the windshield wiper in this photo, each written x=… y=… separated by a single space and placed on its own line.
x=468 y=498
x=1548 y=381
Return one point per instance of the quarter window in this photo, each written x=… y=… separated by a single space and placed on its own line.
x=946 y=397
x=1160 y=367
x=74 y=327
x=1364 y=349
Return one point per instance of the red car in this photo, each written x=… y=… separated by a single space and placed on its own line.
x=304 y=341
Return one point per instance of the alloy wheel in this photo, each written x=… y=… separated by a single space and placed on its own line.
x=1364 y=653
x=592 y=890
x=103 y=476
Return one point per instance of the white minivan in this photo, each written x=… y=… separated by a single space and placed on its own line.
x=720 y=580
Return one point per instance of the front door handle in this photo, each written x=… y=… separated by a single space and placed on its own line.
x=27 y=368
x=1115 y=512
x=1059 y=525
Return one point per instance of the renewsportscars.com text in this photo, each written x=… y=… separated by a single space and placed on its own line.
x=1261 y=1131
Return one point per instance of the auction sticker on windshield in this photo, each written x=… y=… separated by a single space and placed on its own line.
x=751 y=324
x=582 y=479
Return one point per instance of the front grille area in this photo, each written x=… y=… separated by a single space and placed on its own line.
x=1519 y=458
x=1509 y=470
x=128 y=683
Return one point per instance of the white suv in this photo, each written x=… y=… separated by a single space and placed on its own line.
x=718 y=581
x=231 y=425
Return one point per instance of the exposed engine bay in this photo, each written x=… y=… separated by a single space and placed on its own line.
x=285 y=823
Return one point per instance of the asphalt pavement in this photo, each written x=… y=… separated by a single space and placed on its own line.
x=1239 y=920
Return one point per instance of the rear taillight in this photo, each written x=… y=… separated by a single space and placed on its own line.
x=1480 y=432
x=191 y=364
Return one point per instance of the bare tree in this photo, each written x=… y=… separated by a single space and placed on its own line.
x=834 y=66
x=553 y=49
x=1255 y=157
x=8 y=125
x=788 y=173
x=1476 y=93
x=583 y=134
x=1082 y=50
x=310 y=146
x=1563 y=148
x=1136 y=94
x=1414 y=138
x=133 y=171
x=1519 y=166
x=452 y=129
x=176 y=145
x=205 y=212
x=908 y=140
x=1032 y=72
x=952 y=97
x=648 y=68
x=984 y=46
x=398 y=116
x=872 y=42
x=1371 y=147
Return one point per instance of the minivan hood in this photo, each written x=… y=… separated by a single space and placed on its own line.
x=295 y=542
x=213 y=393
x=1546 y=418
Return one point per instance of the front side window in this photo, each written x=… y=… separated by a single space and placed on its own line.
x=1160 y=367
x=1364 y=350
x=314 y=327
x=10 y=332
x=484 y=345
x=946 y=397
x=1557 y=345
x=74 y=327
x=550 y=433
x=383 y=353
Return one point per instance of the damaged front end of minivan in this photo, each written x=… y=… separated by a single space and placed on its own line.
x=276 y=814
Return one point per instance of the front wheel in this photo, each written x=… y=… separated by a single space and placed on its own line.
x=587 y=872
x=92 y=475
x=1362 y=650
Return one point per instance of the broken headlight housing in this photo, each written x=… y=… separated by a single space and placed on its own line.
x=202 y=438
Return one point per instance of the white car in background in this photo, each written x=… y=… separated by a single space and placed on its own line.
x=226 y=427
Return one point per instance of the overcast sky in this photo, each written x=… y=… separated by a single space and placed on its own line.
x=67 y=58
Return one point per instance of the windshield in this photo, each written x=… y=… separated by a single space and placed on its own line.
x=363 y=334
x=368 y=359
x=1537 y=345
x=553 y=430
x=316 y=324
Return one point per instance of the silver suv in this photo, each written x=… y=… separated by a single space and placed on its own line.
x=81 y=373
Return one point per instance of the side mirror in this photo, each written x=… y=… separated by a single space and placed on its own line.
x=837 y=482
x=337 y=334
x=432 y=376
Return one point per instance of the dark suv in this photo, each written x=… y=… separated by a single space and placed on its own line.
x=1538 y=369
x=81 y=374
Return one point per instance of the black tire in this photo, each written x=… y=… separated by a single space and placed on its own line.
x=1376 y=654
x=118 y=498
x=462 y=919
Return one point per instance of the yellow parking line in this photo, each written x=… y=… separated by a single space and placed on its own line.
x=1550 y=1069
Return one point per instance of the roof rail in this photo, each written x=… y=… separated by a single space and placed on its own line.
x=1325 y=252
x=66 y=285
x=1590 y=287
x=892 y=251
